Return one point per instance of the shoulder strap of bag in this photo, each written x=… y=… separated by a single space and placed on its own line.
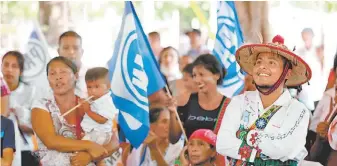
x=221 y=114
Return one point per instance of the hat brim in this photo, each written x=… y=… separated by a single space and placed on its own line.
x=246 y=58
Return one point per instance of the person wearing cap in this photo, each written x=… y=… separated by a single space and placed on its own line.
x=197 y=48
x=267 y=126
x=200 y=149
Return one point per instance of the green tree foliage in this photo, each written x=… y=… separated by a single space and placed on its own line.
x=331 y=6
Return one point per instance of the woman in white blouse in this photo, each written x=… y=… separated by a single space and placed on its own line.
x=20 y=100
x=156 y=148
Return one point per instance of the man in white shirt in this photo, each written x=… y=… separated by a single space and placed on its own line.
x=266 y=126
x=70 y=46
x=313 y=91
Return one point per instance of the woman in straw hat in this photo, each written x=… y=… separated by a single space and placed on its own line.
x=267 y=126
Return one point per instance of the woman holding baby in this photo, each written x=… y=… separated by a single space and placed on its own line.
x=59 y=137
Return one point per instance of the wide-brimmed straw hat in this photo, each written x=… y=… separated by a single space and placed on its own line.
x=246 y=57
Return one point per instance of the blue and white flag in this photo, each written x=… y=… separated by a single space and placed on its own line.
x=228 y=39
x=36 y=58
x=134 y=76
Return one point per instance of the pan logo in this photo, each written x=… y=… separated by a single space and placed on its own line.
x=35 y=59
x=132 y=67
x=227 y=41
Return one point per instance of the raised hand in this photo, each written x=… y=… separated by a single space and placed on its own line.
x=322 y=129
x=183 y=160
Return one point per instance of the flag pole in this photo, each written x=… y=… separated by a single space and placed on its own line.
x=179 y=121
x=78 y=105
x=157 y=65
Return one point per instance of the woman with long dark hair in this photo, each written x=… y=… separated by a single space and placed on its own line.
x=20 y=101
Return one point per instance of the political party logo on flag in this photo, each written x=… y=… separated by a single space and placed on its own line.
x=36 y=58
x=134 y=76
x=228 y=39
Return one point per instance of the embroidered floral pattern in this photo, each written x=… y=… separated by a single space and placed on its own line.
x=241 y=133
x=253 y=138
x=290 y=132
x=261 y=123
x=245 y=152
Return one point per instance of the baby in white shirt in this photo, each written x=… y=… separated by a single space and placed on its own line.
x=97 y=123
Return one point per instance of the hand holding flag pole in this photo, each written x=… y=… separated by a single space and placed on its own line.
x=78 y=105
x=176 y=113
x=135 y=75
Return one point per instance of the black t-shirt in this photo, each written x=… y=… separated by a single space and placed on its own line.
x=195 y=117
x=7 y=134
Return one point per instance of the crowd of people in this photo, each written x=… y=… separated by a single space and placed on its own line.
x=278 y=119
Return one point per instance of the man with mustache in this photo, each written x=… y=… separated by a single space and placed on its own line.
x=267 y=126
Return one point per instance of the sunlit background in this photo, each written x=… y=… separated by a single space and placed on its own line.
x=98 y=23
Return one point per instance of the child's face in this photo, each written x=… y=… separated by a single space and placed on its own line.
x=97 y=88
x=199 y=151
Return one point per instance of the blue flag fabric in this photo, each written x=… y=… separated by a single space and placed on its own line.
x=134 y=76
x=228 y=39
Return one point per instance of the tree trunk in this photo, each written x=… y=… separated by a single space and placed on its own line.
x=53 y=18
x=253 y=17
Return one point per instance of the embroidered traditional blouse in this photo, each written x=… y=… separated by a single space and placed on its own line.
x=283 y=137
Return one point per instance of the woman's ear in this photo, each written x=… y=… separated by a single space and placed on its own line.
x=216 y=77
x=152 y=127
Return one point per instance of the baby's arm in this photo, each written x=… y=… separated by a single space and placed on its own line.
x=96 y=117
